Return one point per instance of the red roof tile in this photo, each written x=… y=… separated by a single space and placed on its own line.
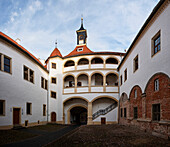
x=22 y=48
x=85 y=50
x=55 y=52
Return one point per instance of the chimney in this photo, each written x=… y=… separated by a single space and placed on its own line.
x=18 y=40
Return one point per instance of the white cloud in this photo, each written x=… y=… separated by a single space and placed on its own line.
x=111 y=25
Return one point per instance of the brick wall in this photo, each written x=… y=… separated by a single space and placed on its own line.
x=144 y=102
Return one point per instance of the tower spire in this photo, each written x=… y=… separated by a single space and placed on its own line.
x=81 y=20
x=56 y=43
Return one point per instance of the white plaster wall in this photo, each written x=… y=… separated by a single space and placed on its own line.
x=69 y=104
x=56 y=105
x=148 y=65
x=103 y=104
x=17 y=92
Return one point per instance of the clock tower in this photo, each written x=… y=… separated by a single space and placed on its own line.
x=81 y=34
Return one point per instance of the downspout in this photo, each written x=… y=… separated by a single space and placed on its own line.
x=48 y=96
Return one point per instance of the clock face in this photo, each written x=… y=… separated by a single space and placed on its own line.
x=81 y=37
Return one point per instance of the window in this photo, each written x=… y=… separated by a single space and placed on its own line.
x=135 y=63
x=28 y=108
x=2 y=107
x=44 y=110
x=135 y=112
x=44 y=83
x=53 y=80
x=54 y=65
x=31 y=76
x=28 y=74
x=135 y=93
x=125 y=75
x=121 y=80
x=25 y=73
x=156 y=85
x=5 y=63
x=53 y=94
x=156 y=43
x=79 y=49
x=0 y=61
x=121 y=112
x=156 y=112
x=125 y=112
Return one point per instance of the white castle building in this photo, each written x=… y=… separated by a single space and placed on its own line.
x=86 y=87
x=81 y=87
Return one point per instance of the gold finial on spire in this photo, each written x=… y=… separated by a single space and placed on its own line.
x=56 y=43
x=82 y=19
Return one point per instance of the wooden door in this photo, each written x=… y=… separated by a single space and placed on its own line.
x=16 y=116
x=53 y=117
x=103 y=120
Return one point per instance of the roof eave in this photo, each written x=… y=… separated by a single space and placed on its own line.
x=12 y=43
x=141 y=30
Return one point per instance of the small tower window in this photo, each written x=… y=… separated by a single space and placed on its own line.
x=80 y=49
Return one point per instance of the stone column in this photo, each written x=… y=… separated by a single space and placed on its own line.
x=89 y=121
x=104 y=83
x=89 y=83
x=143 y=105
x=75 y=89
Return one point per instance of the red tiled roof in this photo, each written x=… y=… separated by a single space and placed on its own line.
x=22 y=48
x=86 y=50
x=55 y=52
x=45 y=66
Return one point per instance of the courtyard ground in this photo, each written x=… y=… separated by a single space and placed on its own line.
x=80 y=136
x=109 y=136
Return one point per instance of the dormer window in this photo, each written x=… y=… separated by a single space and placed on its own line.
x=80 y=49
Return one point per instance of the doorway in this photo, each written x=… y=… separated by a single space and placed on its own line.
x=53 y=117
x=16 y=116
x=103 y=120
x=78 y=115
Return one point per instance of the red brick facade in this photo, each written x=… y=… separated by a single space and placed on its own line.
x=153 y=106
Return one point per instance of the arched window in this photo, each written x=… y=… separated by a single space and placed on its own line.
x=97 y=79
x=111 y=61
x=97 y=60
x=82 y=80
x=69 y=81
x=83 y=61
x=111 y=80
x=69 y=63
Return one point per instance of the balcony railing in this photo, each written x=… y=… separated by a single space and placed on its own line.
x=104 y=111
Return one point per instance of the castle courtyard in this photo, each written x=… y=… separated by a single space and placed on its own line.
x=84 y=136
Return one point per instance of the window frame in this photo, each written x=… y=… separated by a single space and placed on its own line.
x=52 y=94
x=135 y=112
x=53 y=65
x=124 y=114
x=121 y=112
x=3 y=108
x=135 y=93
x=2 y=63
x=157 y=112
x=125 y=74
x=44 y=110
x=135 y=61
x=156 y=36
x=30 y=108
x=156 y=85
x=52 y=80
x=29 y=74
x=121 y=80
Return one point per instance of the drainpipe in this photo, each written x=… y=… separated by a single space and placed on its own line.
x=48 y=95
x=119 y=96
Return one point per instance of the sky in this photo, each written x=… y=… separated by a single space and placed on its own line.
x=111 y=24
